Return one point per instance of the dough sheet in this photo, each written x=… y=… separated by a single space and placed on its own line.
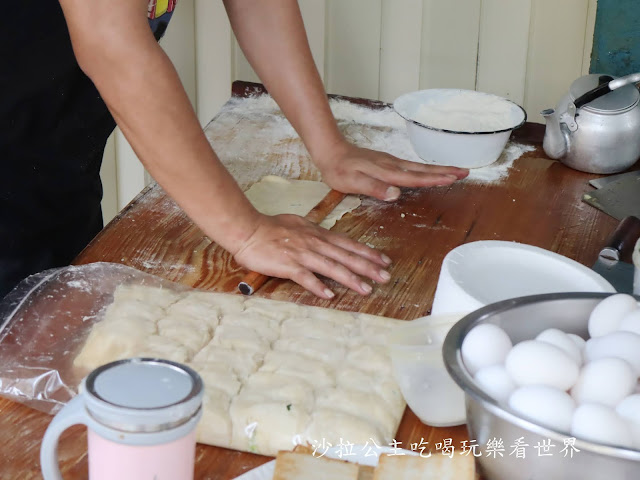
x=275 y=373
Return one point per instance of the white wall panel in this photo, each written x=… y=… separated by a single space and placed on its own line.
x=556 y=52
x=213 y=62
x=588 y=35
x=108 y=175
x=502 y=50
x=449 y=43
x=352 y=65
x=400 y=45
x=314 y=16
x=314 y=13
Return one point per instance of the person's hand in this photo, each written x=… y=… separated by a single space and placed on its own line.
x=288 y=246
x=351 y=169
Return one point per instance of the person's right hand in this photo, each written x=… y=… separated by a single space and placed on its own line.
x=288 y=246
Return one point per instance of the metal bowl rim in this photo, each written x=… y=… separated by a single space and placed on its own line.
x=453 y=362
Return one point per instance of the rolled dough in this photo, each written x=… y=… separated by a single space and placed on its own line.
x=274 y=195
x=275 y=373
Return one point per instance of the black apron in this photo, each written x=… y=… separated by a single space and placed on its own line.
x=53 y=129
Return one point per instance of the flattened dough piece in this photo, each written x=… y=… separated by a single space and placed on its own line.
x=333 y=425
x=188 y=331
x=367 y=405
x=156 y=346
x=274 y=195
x=296 y=365
x=159 y=297
x=266 y=327
x=279 y=387
x=242 y=362
x=215 y=425
x=323 y=350
x=239 y=338
x=224 y=302
x=273 y=309
x=201 y=311
x=266 y=426
x=114 y=340
x=219 y=376
x=385 y=387
x=315 y=328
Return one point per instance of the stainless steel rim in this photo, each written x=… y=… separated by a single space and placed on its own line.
x=453 y=361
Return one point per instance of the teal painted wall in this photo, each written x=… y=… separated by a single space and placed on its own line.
x=616 y=39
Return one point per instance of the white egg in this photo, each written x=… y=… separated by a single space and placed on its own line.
x=629 y=409
x=578 y=340
x=631 y=322
x=600 y=424
x=544 y=405
x=606 y=316
x=606 y=381
x=495 y=382
x=624 y=345
x=563 y=341
x=532 y=362
x=483 y=346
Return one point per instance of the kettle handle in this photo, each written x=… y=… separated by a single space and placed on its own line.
x=605 y=88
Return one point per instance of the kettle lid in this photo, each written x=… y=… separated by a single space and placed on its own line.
x=616 y=101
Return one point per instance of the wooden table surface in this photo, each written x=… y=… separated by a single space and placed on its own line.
x=539 y=203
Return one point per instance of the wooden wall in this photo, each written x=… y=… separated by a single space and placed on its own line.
x=526 y=50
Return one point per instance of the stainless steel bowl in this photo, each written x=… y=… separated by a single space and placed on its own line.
x=488 y=422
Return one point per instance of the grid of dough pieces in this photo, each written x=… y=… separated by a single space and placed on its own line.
x=275 y=373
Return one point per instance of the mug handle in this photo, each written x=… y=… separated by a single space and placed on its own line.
x=73 y=413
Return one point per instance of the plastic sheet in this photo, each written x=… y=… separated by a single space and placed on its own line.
x=44 y=323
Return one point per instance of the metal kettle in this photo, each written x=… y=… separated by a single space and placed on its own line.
x=596 y=126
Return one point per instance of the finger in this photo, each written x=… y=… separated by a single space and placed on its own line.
x=332 y=269
x=409 y=178
x=358 y=248
x=367 y=184
x=459 y=173
x=354 y=262
x=305 y=278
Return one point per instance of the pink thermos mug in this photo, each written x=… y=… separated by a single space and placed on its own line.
x=141 y=416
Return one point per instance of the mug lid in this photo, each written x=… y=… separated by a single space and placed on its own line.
x=143 y=394
x=616 y=101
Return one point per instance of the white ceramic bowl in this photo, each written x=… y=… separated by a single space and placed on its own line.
x=470 y=145
x=477 y=274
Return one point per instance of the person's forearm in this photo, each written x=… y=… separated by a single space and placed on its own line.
x=144 y=94
x=273 y=38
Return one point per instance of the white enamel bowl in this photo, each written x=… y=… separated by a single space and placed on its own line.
x=479 y=273
x=459 y=148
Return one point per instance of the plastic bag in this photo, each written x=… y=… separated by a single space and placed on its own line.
x=44 y=323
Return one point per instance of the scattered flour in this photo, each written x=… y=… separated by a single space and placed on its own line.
x=250 y=134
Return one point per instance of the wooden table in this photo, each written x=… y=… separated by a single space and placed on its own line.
x=539 y=203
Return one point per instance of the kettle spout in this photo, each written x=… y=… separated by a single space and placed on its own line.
x=554 y=143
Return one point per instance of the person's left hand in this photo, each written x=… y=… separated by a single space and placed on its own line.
x=350 y=169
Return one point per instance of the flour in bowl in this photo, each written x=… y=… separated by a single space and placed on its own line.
x=467 y=111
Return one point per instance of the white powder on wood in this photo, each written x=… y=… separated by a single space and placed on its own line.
x=253 y=139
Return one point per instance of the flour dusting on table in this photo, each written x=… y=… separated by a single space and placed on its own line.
x=251 y=136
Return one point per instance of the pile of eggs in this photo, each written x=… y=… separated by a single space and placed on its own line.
x=588 y=389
